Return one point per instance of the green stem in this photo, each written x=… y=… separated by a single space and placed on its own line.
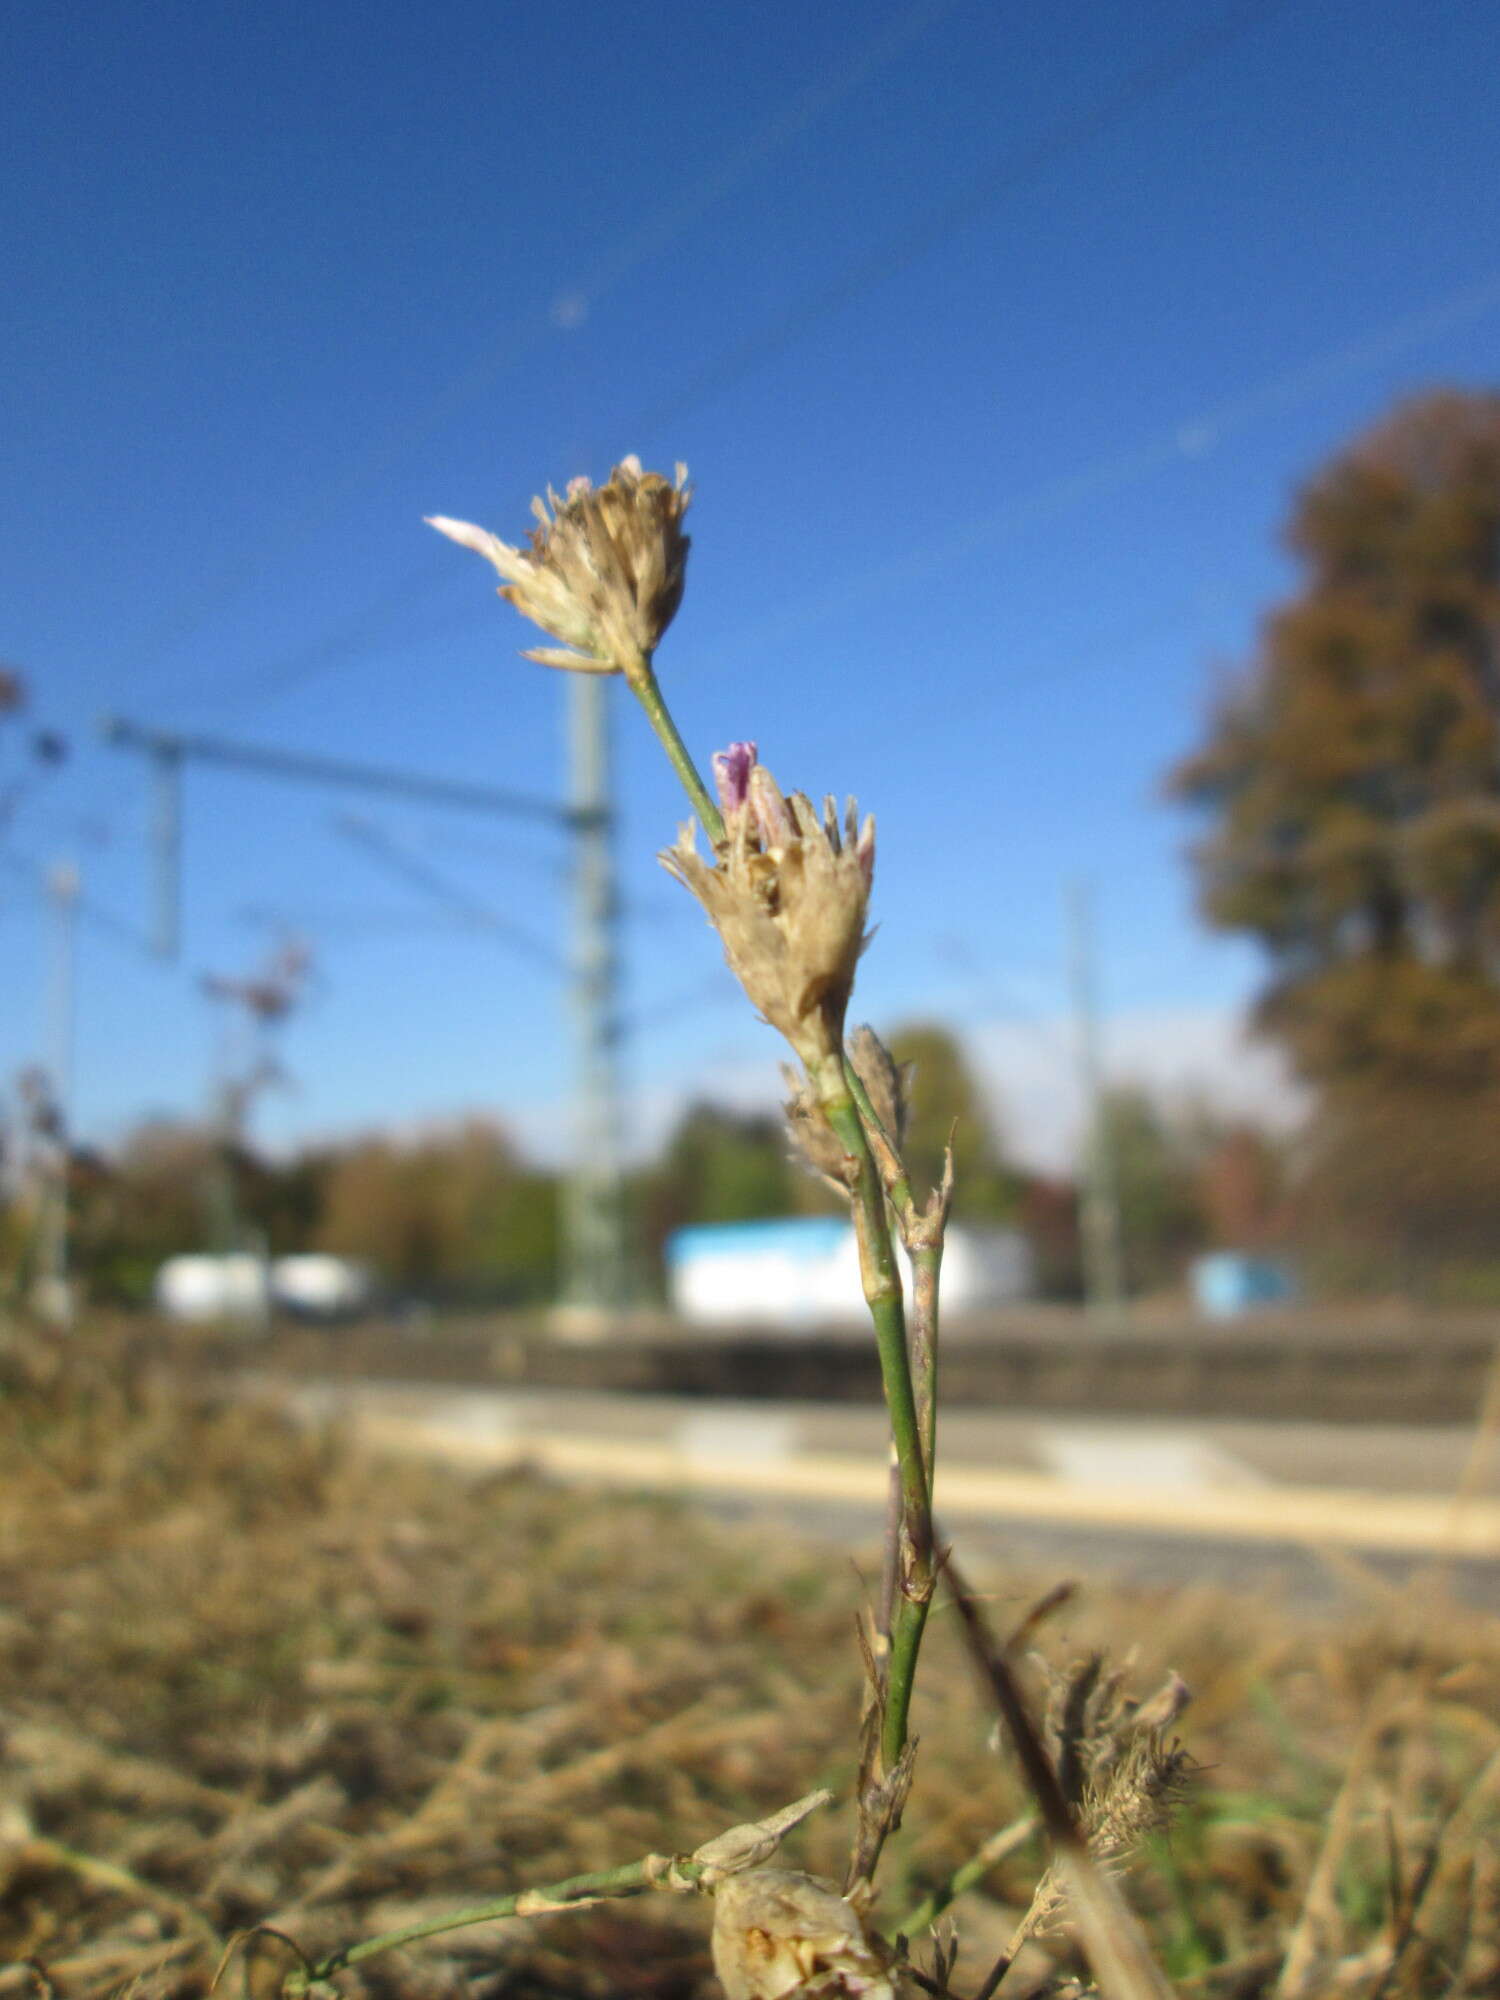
x=926 y=1271
x=906 y=1644
x=927 y=1262
x=882 y=1288
x=926 y=1913
x=642 y=683
x=621 y=1881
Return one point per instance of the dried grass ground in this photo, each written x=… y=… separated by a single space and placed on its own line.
x=250 y=1676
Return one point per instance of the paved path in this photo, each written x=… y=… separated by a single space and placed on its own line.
x=1381 y=1490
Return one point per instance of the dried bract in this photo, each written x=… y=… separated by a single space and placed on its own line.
x=815 y=1144
x=779 y=1932
x=885 y=1081
x=787 y=893
x=605 y=570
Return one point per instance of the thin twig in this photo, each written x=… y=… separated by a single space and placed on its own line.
x=1112 y=1938
x=741 y=1847
x=644 y=686
x=922 y=1916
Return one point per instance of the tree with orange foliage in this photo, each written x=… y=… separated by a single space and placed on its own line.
x=1353 y=782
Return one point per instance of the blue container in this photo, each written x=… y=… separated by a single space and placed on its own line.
x=1228 y=1283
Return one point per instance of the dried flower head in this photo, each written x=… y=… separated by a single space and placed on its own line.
x=1118 y=1767
x=778 y=1932
x=787 y=893
x=815 y=1144
x=604 y=572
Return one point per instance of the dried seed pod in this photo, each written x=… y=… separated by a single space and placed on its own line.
x=779 y=1932
x=605 y=571
x=787 y=893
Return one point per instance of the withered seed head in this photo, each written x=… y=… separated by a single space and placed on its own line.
x=605 y=571
x=884 y=1079
x=787 y=893
x=778 y=1931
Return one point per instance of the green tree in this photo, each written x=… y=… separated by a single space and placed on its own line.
x=720 y=1165
x=944 y=1098
x=1156 y=1181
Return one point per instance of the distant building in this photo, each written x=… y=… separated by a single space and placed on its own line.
x=798 y=1272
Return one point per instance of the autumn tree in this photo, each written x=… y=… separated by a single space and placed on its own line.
x=1352 y=781
x=452 y=1213
x=1354 y=777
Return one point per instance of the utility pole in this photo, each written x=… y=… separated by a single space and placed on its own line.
x=595 y=1280
x=54 y=1294
x=1103 y=1277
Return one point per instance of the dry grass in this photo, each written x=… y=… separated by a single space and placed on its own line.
x=250 y=1677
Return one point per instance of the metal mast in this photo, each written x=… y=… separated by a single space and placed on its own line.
x=595 y=1280
x=595 y=1264
x=55 y=1292
x=1103 y=1274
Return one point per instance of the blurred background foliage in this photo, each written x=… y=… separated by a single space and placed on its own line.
x=1348 y=791
x=455 y=1214
x=1351 y=785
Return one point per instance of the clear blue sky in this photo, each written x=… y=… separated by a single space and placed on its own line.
x=996 y=338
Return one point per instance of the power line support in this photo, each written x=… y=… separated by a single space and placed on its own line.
x=595 y=1278
x=1103 y=1276
x=55 y=1298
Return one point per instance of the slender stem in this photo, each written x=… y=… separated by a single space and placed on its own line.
x=642 y=683
x=622 y=1881
x=898 y=1187
x=926 y=1913
x=882 y=1288
x=906 y=1644
x=925 y=1234
x=926 y=1270
x=926 y=1245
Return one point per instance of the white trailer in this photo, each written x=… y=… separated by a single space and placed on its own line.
x=796 y=1272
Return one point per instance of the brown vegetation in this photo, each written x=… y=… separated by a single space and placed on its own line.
x=253 y=1678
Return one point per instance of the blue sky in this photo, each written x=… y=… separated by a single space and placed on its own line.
x=996 y=339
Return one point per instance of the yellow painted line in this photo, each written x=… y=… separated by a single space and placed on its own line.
x=1342 y=1517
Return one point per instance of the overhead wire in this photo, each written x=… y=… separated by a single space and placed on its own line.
x=690 y=201
x=1183 y=441
x=102 y=919
x=420 y=874
x=1012 y=170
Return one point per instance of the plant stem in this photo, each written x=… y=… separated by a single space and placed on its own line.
x=926 y=1269
x=923 y=1235
x=964 y=1877
x=622 y=1881
x=642 y=683
x=836 y=1090
x=882 y=1289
